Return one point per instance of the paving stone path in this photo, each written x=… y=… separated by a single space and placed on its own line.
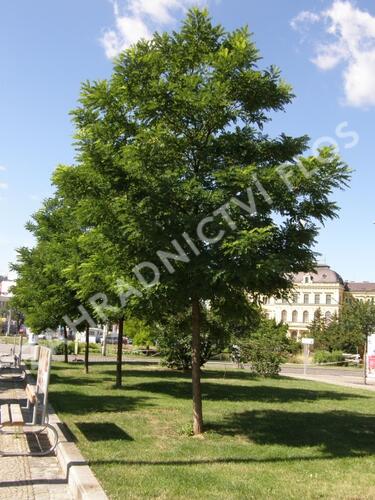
x=39 y=478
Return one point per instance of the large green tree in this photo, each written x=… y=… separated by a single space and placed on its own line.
x=175 y=170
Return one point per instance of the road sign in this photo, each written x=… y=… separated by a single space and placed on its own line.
x=307 y=341
x=370 y=365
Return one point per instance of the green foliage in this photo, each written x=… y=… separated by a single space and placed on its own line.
x=346 y=332
x=59 y=348
x=328 y=357
x=174 y=135
x=42 y=292
x=266 y=348
x=140 y=333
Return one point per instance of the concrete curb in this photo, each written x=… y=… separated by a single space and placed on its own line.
x=81 y=480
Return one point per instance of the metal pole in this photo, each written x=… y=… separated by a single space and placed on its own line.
x=305 y=358
x=104 y=345
x=9 y=321
x=76 y=342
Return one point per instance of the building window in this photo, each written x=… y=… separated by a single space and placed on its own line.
x=294 y=316
x=306 y=279
x=328 y=299
x=305 y=298
x=328 y=316
x=284 y=316
x=305 y=316
x=317 y=298
x=266 y=300
x=295 y=298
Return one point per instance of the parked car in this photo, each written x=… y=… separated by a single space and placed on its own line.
x=112 y=338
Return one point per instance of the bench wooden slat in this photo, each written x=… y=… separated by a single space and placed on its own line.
x=30 y=393
x=5 y=415
x=16 y=414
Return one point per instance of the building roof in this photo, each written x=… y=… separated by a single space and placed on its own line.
x=364 y=286
x=322 y=274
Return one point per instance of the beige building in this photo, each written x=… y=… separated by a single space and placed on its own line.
x=361 y=291
x=323 y=289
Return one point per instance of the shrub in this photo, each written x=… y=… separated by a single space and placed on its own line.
x=58 y=348
x=266 y=348
x=328 y=357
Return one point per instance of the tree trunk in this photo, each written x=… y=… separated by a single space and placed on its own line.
x=119 y=353
x=87 y=348
x=65 y=345
x=196 y=369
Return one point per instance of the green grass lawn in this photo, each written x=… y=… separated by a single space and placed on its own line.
x=265 y=438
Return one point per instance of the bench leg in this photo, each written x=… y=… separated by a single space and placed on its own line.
x=32 y=453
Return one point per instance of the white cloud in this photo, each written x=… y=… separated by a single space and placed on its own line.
x=298 y=22
x=350 y=34
x=138 y=19
x=2 y=168
x=3 y=185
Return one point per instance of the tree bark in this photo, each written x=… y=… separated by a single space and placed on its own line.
x=65 y=345
x=119 y=353
x=196 y=369
x=87 y=348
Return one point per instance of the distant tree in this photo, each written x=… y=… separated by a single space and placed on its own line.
x=140 y=332
x=318 y=330
x=41 y=291
x=347 y=331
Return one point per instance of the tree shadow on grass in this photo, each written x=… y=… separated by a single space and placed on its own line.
x=78 y=403
x=92 y=379
x=103 y=431
x=221 y=392
x=337 y=433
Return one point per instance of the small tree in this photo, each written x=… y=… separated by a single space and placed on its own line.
x=266 y=348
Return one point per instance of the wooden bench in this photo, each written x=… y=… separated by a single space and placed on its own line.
x=37 y=397
x=11 y=414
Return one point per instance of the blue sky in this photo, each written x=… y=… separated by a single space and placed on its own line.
x=325 y=49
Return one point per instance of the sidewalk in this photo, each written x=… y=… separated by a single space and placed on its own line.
x=28 y=478
x=342 y=380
